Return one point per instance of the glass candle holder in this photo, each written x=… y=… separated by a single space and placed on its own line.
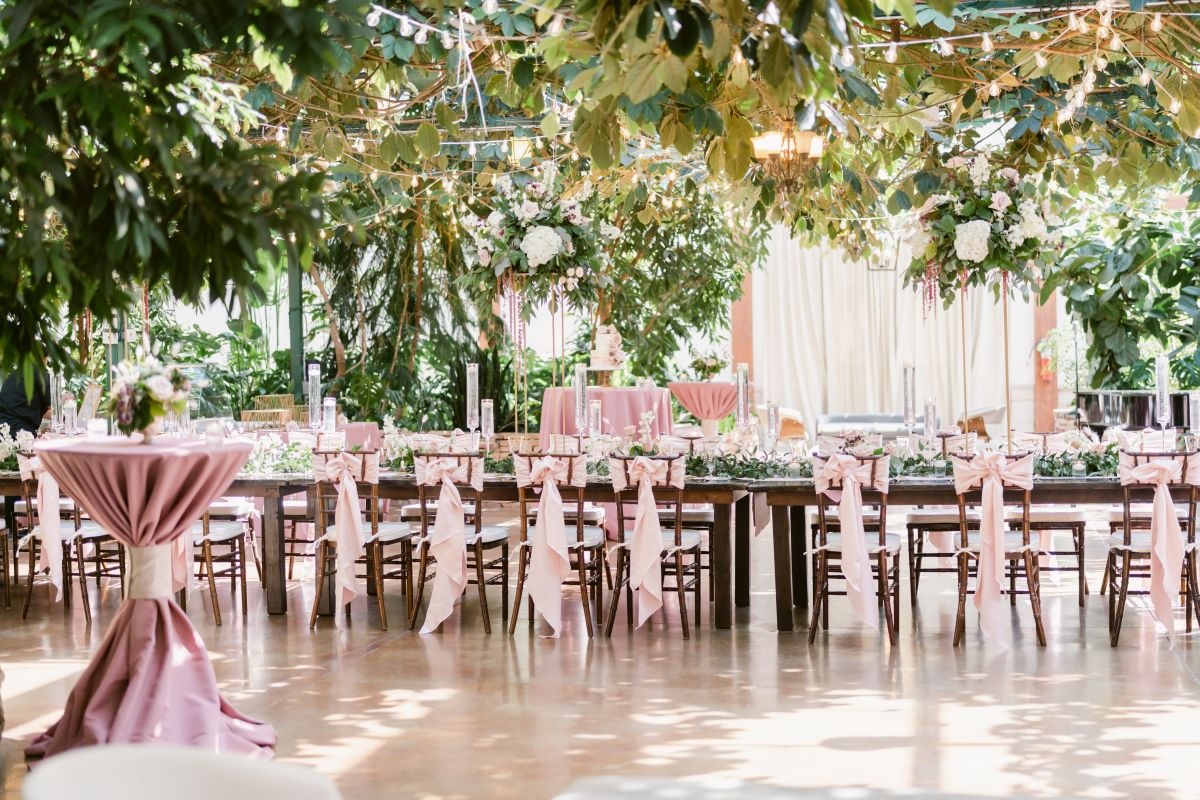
x=329 y=415
x=97 y=428
x=314 y=396
x=472 y=397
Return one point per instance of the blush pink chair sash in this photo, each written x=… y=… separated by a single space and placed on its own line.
x=345 y=470
x=150 y=680
x=549 y=562
x=841 y=478
x=1167 y=546
x=448 y=541
x=49 y=508
x=646 y=546
x=992 y=471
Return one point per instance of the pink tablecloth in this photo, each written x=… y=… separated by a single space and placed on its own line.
x=620 y=408
x=151 y=680
x=706 y=400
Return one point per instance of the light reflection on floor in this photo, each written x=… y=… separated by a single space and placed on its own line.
x=462 y=714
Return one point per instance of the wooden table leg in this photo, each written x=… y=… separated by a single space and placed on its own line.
x=799 y=557
x=741 y=553
x=781 y=534
x=721 y=566
x=273 y=557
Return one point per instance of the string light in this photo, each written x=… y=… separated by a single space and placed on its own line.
x=1040 y=58
x=374 y=17
x=1100 y=63
x=1144 y=78
x=1175 y=105
x=986 y=44
x=447 y=40
x=1115 y=42
x=890 y=55
x=944 y=48
x=406 y=27
x=490 y=6
x=1156 y=22
x=994 y=88
x=847 y=57
x=1072 y=22
x=421 y=36
x=556 y=25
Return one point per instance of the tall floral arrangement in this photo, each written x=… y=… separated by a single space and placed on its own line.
x=538 y=240
x=986 y=228
x=143 y=393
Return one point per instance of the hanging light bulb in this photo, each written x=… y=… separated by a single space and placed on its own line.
x=1036 y=35
x=847 y=57
x=374 y=18
x=421 y=36
x=491 y=6
x=556 y=25
x=877 y=134
x=1175 y=105
x=406 y=27
x=1115 y=42
x=987 y=43
x=994 y=88
x=471 y=149
x=1100 y=63
x=890 y=55
x=1072 y=21
x=1040 y=58
x=1144 y=78
x=1102 y=33
x=1083 y=26
x=1156 y=23
x=359 y=146
x=944 y=48
x=447 y=40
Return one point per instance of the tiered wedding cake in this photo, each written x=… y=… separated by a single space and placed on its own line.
x=607 y=354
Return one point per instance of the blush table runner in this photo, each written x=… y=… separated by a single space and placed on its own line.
x=151 y=679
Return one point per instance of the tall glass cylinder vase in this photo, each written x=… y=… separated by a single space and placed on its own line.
x=772 y=424
x=581 y=409
x=930 y=418
x=329 y=416
x=595 y=419
x=472 y=397
x=487 y=423
x=314 y=396
x=742 y=410
x=1162 y=391
x=910 y=401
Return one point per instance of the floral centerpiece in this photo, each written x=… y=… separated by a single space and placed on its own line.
x=983 y=222
x=397 y=450
x=273 y=456
x=538 y=241
x=9 y=447
x=707 y=365
x=143 y=394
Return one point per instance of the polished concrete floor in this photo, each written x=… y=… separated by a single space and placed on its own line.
x=462 y=714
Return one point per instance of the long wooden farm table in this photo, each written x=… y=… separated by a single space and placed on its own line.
x=789 y=499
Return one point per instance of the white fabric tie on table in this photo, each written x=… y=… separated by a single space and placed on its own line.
x=448 y=542
x=841 y=478
x=645 y=554
x=49 y=509
x=1166 y=538
x=549 y=562
x=150 y=574
x=994 y=471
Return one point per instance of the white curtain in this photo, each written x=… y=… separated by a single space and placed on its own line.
x=831 y=336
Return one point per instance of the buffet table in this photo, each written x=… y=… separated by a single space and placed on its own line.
x=620 y=407
x=790 y=498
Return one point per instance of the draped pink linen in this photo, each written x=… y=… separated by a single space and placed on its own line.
x=646 y=545
x=992 y=470
x=621 y=408
x=151 y=679
x=841 y=478
x=550 y=561
x=707 y=399
x=447 y=542
x=1167 y=547
x=49 y=510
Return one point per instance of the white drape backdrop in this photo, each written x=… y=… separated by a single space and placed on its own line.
x=831 y=336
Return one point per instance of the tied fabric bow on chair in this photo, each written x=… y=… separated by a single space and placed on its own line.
x=645 y=552
x=549 y=562
x=1166 y=537
x=49 y=522
x=993 y=471
x=448 y=542
x=841 y=479
x=343 y=469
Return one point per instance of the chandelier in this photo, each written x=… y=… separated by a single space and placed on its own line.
x=787 y=156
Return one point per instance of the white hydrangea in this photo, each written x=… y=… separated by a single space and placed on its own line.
x=1000 y=202
x=980 y=172
x=586 y=190
x=918 y=240
x=541 y=245
x=504 y=184
x=527 y=210
x=160 y=388
x=971 y=240
x=495 y=220
x=609 y=231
